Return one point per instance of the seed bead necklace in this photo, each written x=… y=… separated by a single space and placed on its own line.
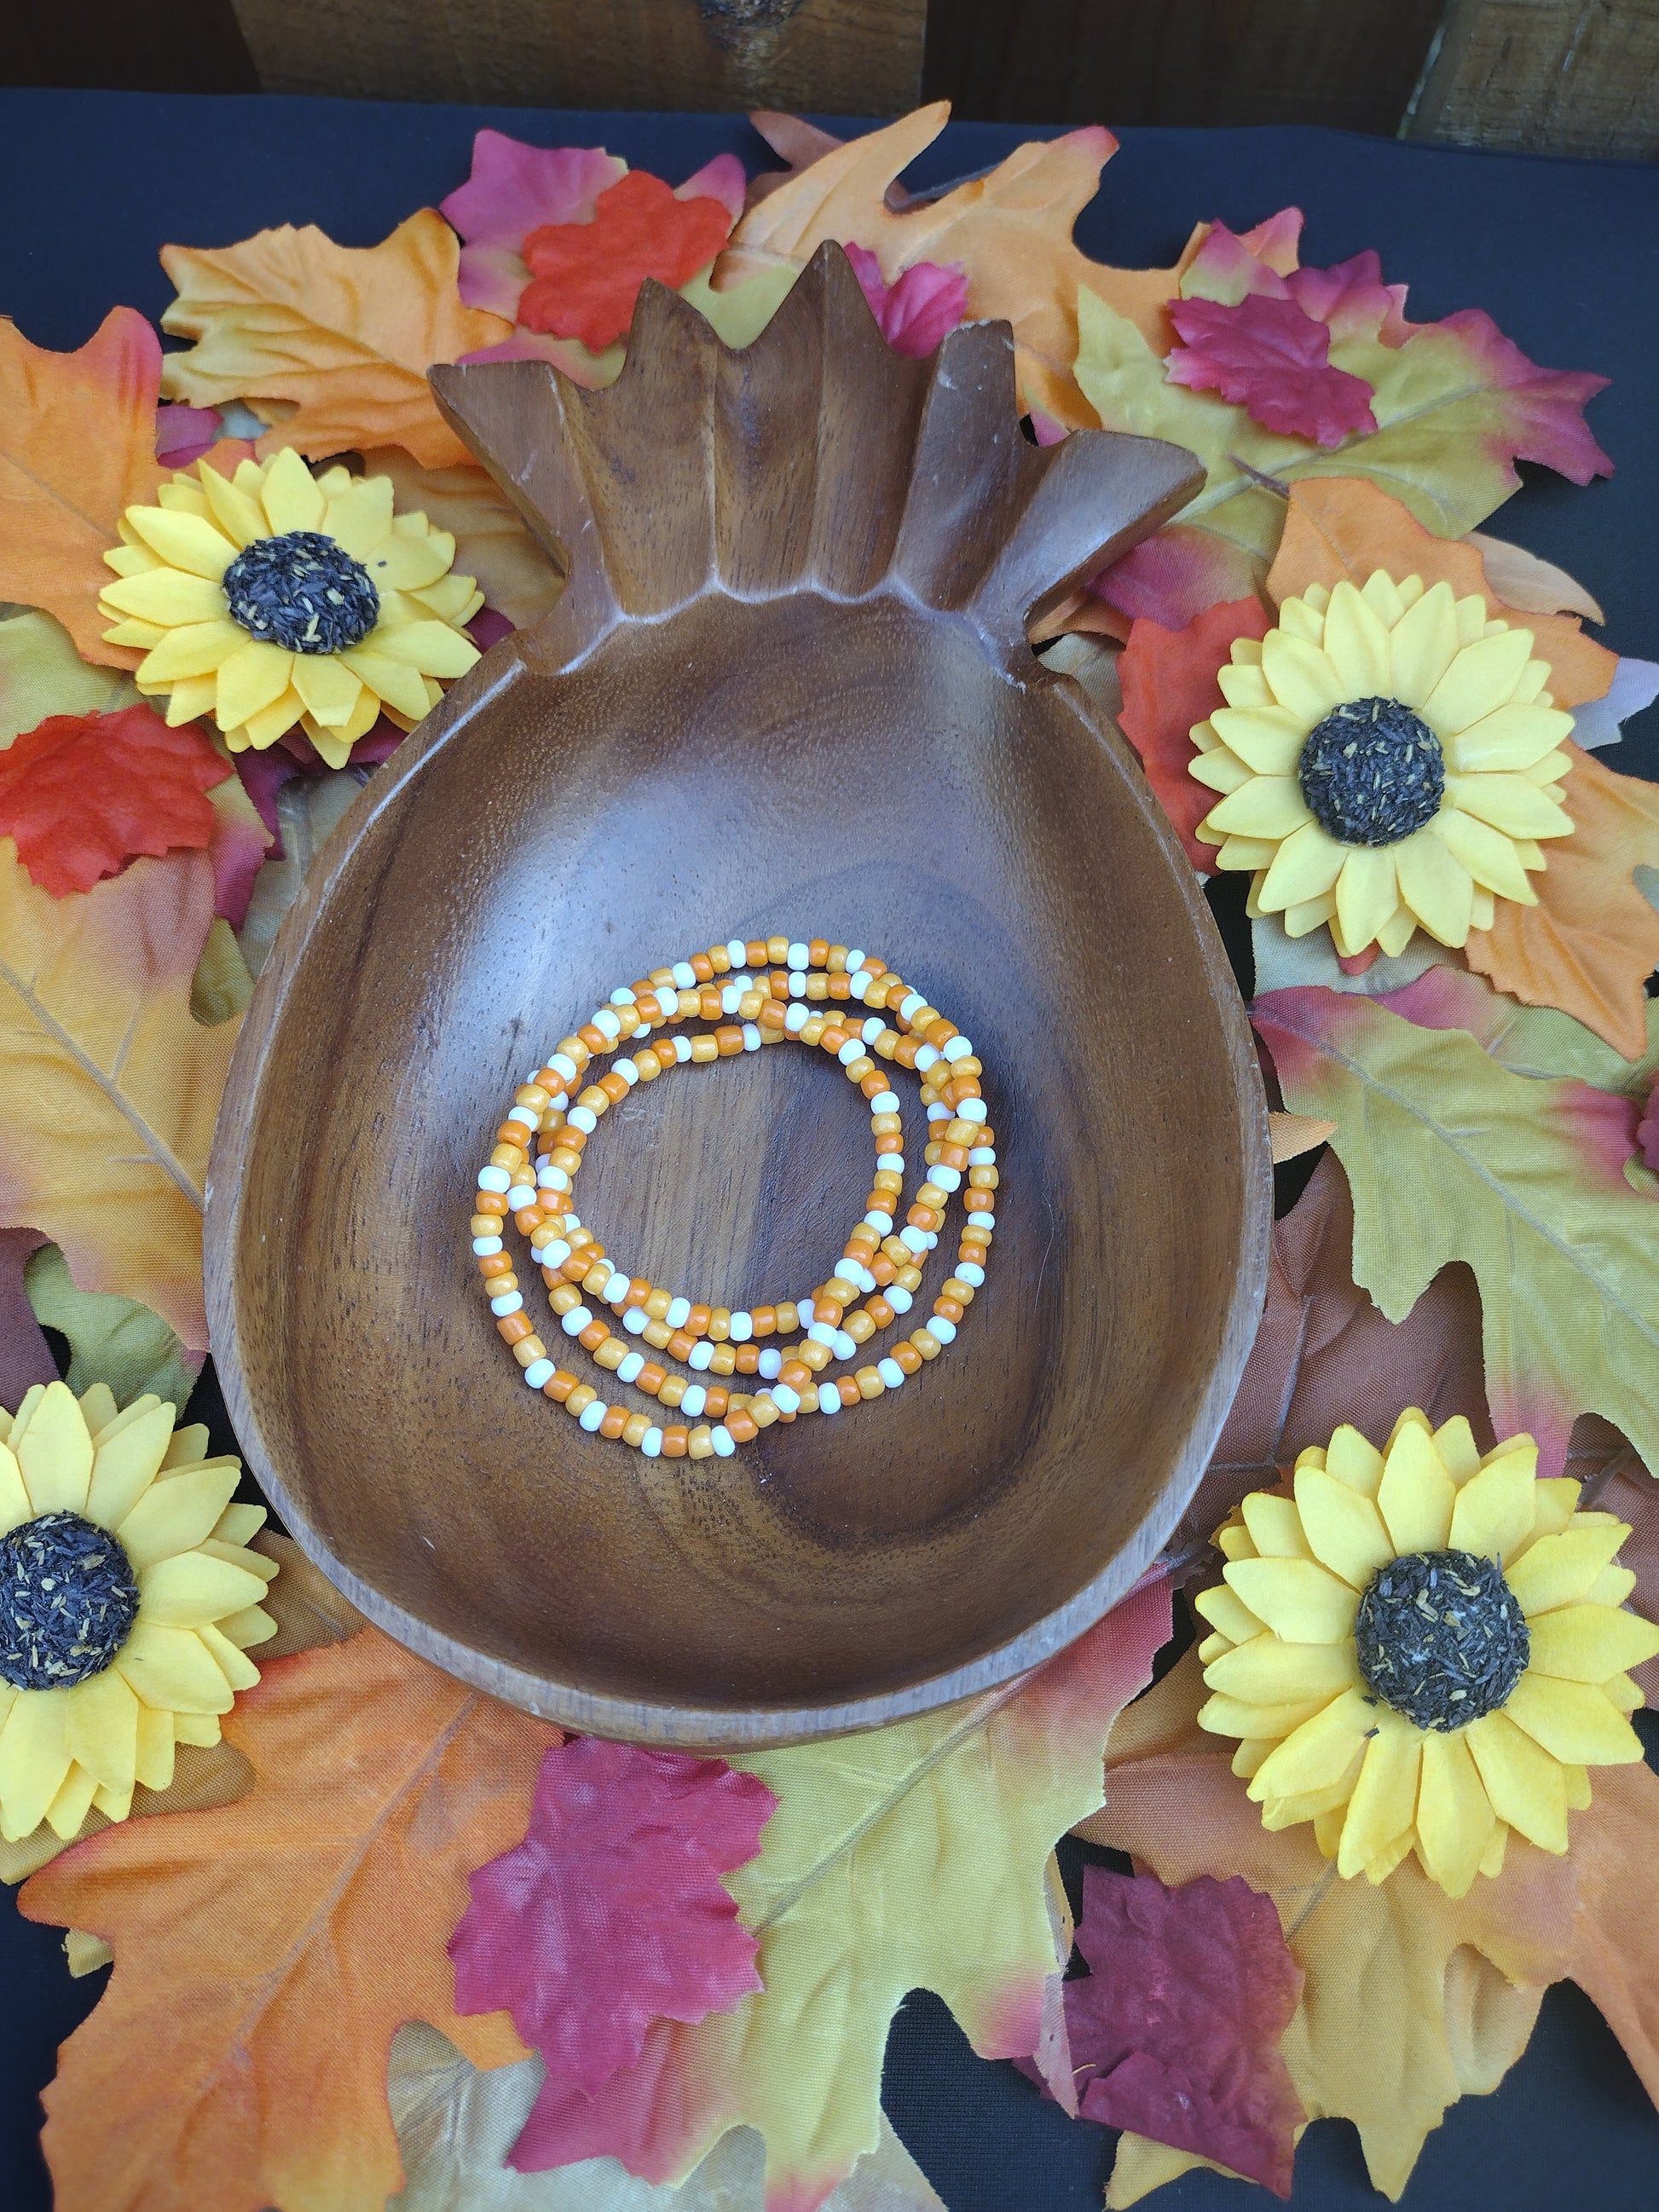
x=774 y=1006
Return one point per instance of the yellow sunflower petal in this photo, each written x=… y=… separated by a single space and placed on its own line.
x=1318 y=1754
x=1227 y=1612
x=1267 y=739
x=431 y=646
x=1492 y=1859
x=144 y=635
x=455 y=599
x=250 y=679
x=1220 y=770
x=192 y=1588
x=1524 y=1784
x=1266 y=807
x=1421 y=645
x=193 y=649
x=330 y=691
x=252 y=1563
x=125 y=1463
x=406 y=564
x=168 y=596
x=241 y=519
x=1591 y=1642
x=239 y=1671
x=1243 y=684
x=1510 y=804
x=1382 y=595
x=153 y=1760
x=174 y=1516
x=291 y=496
x=1306 y=915
x=1493 y=1512
x=1297 y=1600
x=1623 y=1693
x=1513 y=737
x=15 y=1504
x=97 y=1405
x=391 y=680
x=1559 y=1569
x=1366 y=894
x=238 y=1522
x=1303 y=618
x=172 y=1670
x=1354 y=1460
x=1275 y=1526
x=1613 y=1586
x=271 y=722
x=182 y=494
x=1224 y=1715
x=1344 y=1530
x=183 y=541
x=1234 y=1541
x=55 y=1452
x=1357 y=643
x=1459 y=1453
x=1481 y=677
x=1436 y=885
x=70 y=1808
x=1305 y=865
x=1490 y=857
x=1383 y=1803
x=1454 y=1813
x=101 y=1728
x=33 y=1761
x=1396 y=932
x=1416 y=1494
x=252 y=1625
x=114 y=1805
x=189 y=699
x=1572 y=1720
x=1268 y=1671
x=1300 y=676
x=198 y=1728
x=359 y=520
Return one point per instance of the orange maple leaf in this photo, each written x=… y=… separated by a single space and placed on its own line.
x=266 y=1952
x=77 y=445
x=1011 y=231
x=335 y=340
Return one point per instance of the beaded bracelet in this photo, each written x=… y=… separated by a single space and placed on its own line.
x=803 y=972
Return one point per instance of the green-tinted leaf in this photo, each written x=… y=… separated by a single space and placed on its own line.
x=111 y=1339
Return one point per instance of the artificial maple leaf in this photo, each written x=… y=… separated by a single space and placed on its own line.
x=512 y=190
x=77 y=446
x=1011 y=232
x=1450 y=1157
x=456 y=2127
x=82 y=794
x=24 y=1355
x=1269 y=357
x=200 y=2080
x=1174 y=2032
x=100 y=1060
x=112 y=1341
x=1451 y=1987
x=914 y=1857
x=336 y=339
x=914 y=314
x=585 y=276
x=610 y=1913
x=516 y=575
x=1290 y=1135
x=1530 y=1040
x=1340 y=528
x=41 y=673
x=1592 y=940
x=1169 y=683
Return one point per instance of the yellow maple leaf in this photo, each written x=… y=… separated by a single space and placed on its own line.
x=492 y=546
x=332 y=343
x=108 y=1087
x=1011 y=231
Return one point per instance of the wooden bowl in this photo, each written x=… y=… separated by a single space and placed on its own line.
x=786 y=689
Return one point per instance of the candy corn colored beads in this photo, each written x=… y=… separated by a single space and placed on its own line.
x=757 y=993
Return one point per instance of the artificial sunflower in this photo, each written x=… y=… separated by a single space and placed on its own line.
x=127 y=1602
x=1387 y=756
x=1422 y=1648
x=273 y=598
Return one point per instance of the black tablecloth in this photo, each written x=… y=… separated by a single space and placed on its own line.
x=1565 y=255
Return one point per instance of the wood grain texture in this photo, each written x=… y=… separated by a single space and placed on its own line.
x=786 y=689
x=833 y=56
x=1543 y=76
x=1208 y=62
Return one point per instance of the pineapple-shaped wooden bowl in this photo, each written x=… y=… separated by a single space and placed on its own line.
x=786 y=690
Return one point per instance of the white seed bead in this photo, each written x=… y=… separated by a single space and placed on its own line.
x=693 y=1400
x=797 y=985
x=700 y=1354
x=881 y=1223
x=912 y=1003
x=562 y=1064
x=885 y=1102
x=914 y=1240
x=938 y=1113
x=554 y=1254
x=537 y=1372
x=591 y=1415
x=946 y=1178
x=729 y=996
x=495 y=1179
x=736 y=952
x=946 y=1331
x=898 y=1298
x=771 y=1363
x=509 y=1302
x=605 y=1020
x=796 y=1019
x=786 y=1400
x=616 y=1293
x=585 y=1119
x=721 y=1437
x=485 y=1245
x=551 y=1179
x=852 y=1050
x=982 y=1221
x=521 y=1194
x=575 y=1321
x=982 y=1155
x=742 y=1327
x=559 y=1101
x=633 y=1363
x=669 y=999
x=872 y=1028
x=829 y=1399
x=634 y=1319
x=844 y=1347
x=651 y=1443
x=823 y=1332
x=797 y=957
x=959 y=1048
x=679 y=1312
x=855 y=960
x=890 y=1373
x=751 y=1037
x=927 y=1056
x=682 y=1049
x=860 y=985
x=867 y=1281
x=621 y=996
x=628 y=1071
x=573 y=1221
x=966 y=1272
x=526 y=1115
x=685 y=975
x=971 y=1109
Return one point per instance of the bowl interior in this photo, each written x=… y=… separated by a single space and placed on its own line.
x=860 y=772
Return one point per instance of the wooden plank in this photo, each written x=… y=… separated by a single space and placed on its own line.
x=1208 y=62
x=128 y=46
x=1545 y=76
x=846 y=57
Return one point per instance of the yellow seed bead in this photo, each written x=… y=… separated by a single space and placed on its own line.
x=809 y=1397
x=648 y=1064
x=672 y=1391
x=723 y=1360
x=582 y=1396
x=487 y=1225
x=982 y=1178
x=887 y=1044
x=927 y=1344
x=656 y=1335
x=886 y=1125
x=761 y=1411
x=506 y=1156
x=817 y=986
x=954 y=1287
x=720 y=1324
x=812 y=1028
x=815 y=1356
x=777 y=950
x=751 y=1004
x=870 y=1383
x=704 y=1048
x=596 y=1101
x=701 y=1444
x=597 y=1277
x=789 y=1318
x=860 y=1328
x=531 y=1094
x=529 y=1349
x=497 y=1286
x=909 y=1279
x=858 y=1069
x=931 y=1196
x=658 y=1304
x=564 y=1298
x=635 y=1430
x=612 y=1352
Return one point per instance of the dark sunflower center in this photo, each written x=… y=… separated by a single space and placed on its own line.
x=1372 y=772
x=1441 y=1638
x=302 y=590
x=68 y=1600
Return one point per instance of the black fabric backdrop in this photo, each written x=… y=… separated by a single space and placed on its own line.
x=1565 y=255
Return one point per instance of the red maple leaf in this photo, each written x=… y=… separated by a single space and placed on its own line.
x=1169 y=680
x=1269 y=357
x=1175 y=2032
x=585 y=276
x=611 y=1913
x=83 y=794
